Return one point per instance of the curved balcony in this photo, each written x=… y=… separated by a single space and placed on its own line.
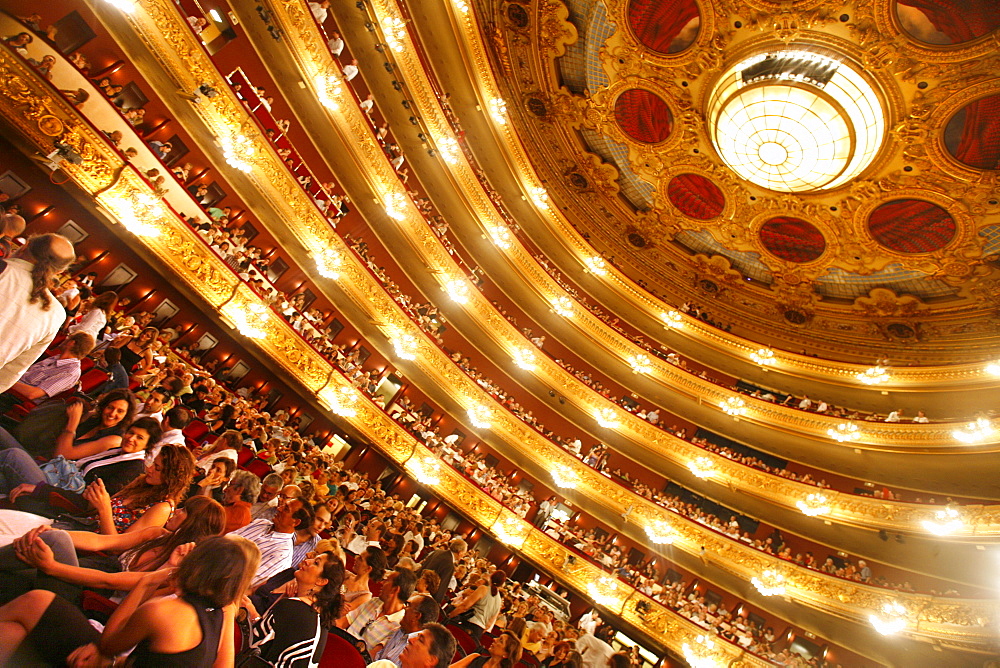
x=890 y=437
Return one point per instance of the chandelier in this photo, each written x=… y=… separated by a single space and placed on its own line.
x=328 y=263
x=524 y=358
x=394 y=31
x=426 y=471
x=604 y=591
x=448 y=148
x=500 y=236
x=341 y=401
x=974 y=432
x=875 y=375
x=329 y=88
x=238 y=150
x=764 y=357
x=539 y=196
x=251 y=323
x=891 y=621
x=140 y=213
x=498 y=110
x=607 y=418
x=993 y=368
x=394 y=203
x=702 y=467
x=814 y=504
x=700 y=653
x=596 y=265
x=563 y=306
x=661 y=532
x=946 y=522
x=843 y=432
x=770 y=583
x=672 y=319
x=564 y=476
x=458 y=290
x=796 y=121
x=127 y=6
x=510 y=530
x=734 y=406
x=640 y=363
x=405 y=345
x=480 y=416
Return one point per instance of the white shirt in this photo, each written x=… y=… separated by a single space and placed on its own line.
x=595 y=652
x=893 y=417
x=319 y=11
x=25 y=329
x=169 y=437
x=91 y=323
x=336 y=46
x=350 y=71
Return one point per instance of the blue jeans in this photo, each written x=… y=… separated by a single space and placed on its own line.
x=17 y=467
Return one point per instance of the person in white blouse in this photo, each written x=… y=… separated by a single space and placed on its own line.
x=96 y=315
x=351 y=70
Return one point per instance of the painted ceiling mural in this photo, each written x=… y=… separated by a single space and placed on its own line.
x=894 y=104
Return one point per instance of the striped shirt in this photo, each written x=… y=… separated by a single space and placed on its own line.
x=289 y=635
x=275 y=548
x=53 y=375
x=369 y=624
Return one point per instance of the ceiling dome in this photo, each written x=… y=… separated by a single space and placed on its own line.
x=795 y=121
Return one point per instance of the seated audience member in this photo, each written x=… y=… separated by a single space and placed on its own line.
x=294 y=628
x=154 y=405
x=484 y=603
x=268 y=497
x=11 y=226
x=116 y=467
x=375 y=621
x=55 y=429
x=431 y=647
x=287 y=493
x=504 y=652
x=118 y=379
x=274 y=538
x=171 y=431
x=242 y=490
x=54 y=375
x=421 y=610
x=226 y=446
x=95 y=315
x=369 y=566
x=192 y=628
x=215 y=479
x=146 y=501
x=66 y=562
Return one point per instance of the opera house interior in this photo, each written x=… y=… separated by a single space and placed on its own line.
x=642 y=333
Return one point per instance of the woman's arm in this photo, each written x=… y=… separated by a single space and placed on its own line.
x=40 y=555
x=145 y=363
x=470 y=600
x=119 y=542
x=132 y=622
x=65 y=445
x=226 y=655
x=156 y=516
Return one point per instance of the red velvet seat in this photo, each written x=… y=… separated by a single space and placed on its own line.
x=465 y=641
x=339 y=653
x=258 y=467
x=195 y=430
x=92 y=379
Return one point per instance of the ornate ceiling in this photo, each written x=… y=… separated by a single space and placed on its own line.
x=616 y=95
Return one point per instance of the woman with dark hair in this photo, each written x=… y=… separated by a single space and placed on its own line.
x=147 y=501
x=96 y=314
x=484 y=603
x=369 y=566
x=192 y=629
x=80 y=436
x=53 y=552
x=504 y=652
x=117 y=467
x=292 y=632
x=137 y=351
x=222 y=420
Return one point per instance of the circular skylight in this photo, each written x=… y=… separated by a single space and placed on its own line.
x=794 y=121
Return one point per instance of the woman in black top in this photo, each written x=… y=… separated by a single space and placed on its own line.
x=292 y=632
x=187 y=631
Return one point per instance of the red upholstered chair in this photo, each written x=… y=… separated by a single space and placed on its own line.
x=92 y=379
x=465 y=641
x=339 y=653
x=258 y=467
x=195 y=430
